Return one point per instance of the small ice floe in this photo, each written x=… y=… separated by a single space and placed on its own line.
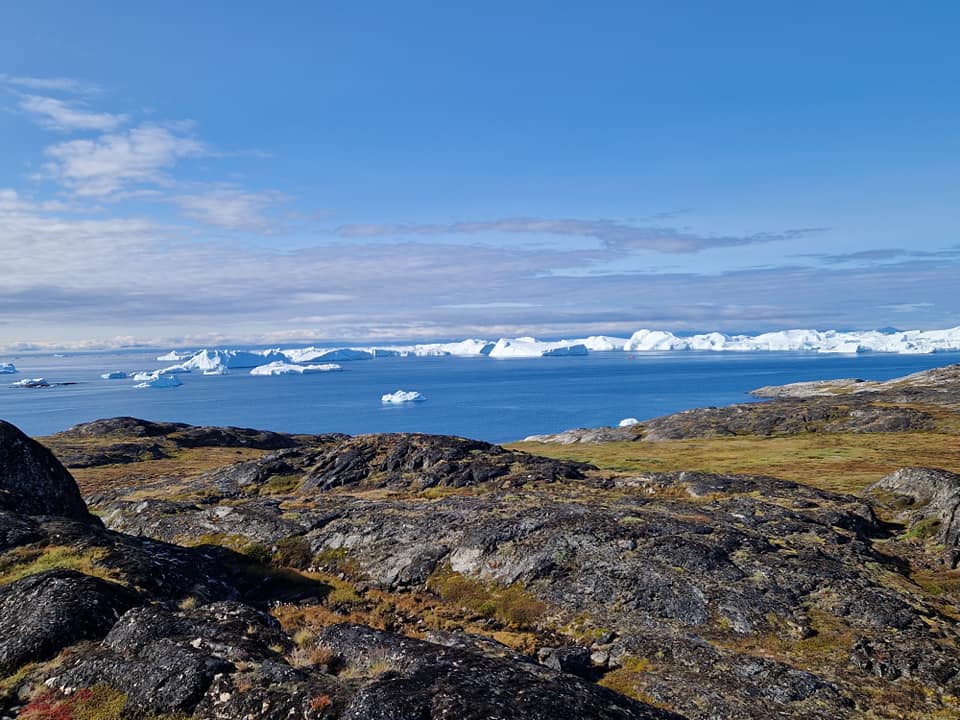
x=402 y=396
x=31 y=383
x=627 y=422
x=160 y=381
x=114 y=375
x=7 y=369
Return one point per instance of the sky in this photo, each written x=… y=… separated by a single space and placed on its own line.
x=181 y=173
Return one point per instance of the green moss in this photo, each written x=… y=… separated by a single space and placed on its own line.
x=513 y=605
x=630 y=679
x=924 y=529
x=281 y=484
x=23 y=562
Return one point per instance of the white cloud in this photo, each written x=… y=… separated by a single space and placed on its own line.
x=68 y=85
x=232 y=208
x=118 y=161
x=61 y=115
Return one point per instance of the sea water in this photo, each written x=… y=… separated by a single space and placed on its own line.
x=494 y=400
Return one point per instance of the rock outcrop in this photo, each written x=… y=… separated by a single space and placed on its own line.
x=906 y=404
x=154 y=628
x=928 y=501
x=32 y=480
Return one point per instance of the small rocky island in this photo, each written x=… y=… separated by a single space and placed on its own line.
x=177 y=571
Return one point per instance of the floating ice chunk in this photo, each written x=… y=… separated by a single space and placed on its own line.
x=30 y=383
x=7 y=369
x=144 y=376
x=402 y=396
x=160 y=381
x=627 y=422
x=114 y=375
x=282 y=368
x=218 y=370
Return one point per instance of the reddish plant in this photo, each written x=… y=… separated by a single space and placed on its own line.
x=320 y=703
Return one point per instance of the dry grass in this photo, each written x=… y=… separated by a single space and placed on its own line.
x=184 y=464
x=843 y=462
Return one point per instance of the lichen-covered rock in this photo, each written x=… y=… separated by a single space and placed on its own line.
x=44 y=613
x=414 y=679
x=32 y=480
x=424 y=461
x=166 y=661
x=128 y=440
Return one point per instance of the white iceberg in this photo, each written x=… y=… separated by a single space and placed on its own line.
x=402 y=396
x=311 y=354
x=282 y=368
x=230 y=359
x=7 y=369
x=601 y=343
x=114 y=375
x=160 y=381
x=174 y=356
x=528 y=347
x=471 y=347
x=218 y=370
x=30 y=383
x=654 y=340
x=801 y=340
x=627 y=422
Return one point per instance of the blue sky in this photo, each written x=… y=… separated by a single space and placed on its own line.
x=270 y=172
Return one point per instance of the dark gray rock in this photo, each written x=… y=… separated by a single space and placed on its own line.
x=42 y=614
x=409 y=678
x=570 y=659
x=165 y=661
x=32 y=480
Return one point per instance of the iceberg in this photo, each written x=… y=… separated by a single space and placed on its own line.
x=31 y=383
x=654 y=340
x=627 y=422
x=230 y=359
x=114 y=375
x=311 y=354
x=402 y=396
x=282 y=368
x=528 y=347
x=802 y=340
x=601 y=343
x=160 y=381
x=7 y=369
x=218 y=370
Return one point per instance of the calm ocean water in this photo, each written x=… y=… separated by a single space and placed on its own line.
x=492 y=400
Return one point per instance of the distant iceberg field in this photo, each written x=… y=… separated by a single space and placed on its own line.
x=278 y=361
x=306 y=360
